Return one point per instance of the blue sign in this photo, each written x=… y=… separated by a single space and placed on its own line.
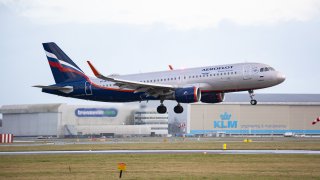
x=225 y=122
x=96 y=112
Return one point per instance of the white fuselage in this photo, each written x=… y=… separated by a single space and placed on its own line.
x=222 y=78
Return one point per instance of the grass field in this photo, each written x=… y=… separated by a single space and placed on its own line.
x=204 y=144
x=163 y=166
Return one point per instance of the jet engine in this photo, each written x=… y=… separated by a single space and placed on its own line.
x=212 y=97
x=187 y=95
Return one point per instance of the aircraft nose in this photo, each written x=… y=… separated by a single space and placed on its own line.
x=280 y=77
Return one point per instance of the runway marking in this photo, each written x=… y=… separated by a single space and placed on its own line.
x=164 y=152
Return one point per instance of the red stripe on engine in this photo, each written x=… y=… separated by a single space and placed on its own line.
x=195 y=94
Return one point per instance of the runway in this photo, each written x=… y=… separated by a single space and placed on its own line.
x=164 y=152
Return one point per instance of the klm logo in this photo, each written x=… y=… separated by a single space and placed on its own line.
x=225 y=122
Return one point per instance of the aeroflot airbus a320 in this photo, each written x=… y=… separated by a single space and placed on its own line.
x=205 y=84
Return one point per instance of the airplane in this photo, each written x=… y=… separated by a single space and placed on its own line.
x=202 y=84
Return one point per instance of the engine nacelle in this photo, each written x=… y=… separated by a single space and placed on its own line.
x=212 y=97
x=187 y=95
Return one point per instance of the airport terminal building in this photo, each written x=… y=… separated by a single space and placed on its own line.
x=274 y=115
x=62 y=120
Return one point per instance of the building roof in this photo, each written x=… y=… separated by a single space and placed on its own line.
x=29 y=108
x=313 y=99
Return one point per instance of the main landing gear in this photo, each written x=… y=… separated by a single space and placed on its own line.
x=178 y=109
x=162 y=109
x=253 y=101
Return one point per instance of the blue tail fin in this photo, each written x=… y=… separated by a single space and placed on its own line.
x=62 y=67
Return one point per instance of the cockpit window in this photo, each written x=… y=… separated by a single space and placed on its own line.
x=264 y=69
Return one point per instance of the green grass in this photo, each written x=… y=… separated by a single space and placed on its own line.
x=161 y=166
x=272 y=145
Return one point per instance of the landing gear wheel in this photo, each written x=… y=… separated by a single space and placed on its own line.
x=178 y=109
x=253 y=102
x=161 y=109
x=251 y=94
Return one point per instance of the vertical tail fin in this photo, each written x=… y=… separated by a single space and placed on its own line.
x=62 y=67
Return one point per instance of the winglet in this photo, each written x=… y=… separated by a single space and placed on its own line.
x=94 y=70
x=170 y=67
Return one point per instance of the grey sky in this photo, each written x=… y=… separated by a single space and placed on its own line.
x=125 y=44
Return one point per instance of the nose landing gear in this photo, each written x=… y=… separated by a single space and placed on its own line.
x=253 y=101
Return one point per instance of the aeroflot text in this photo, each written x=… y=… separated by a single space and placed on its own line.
x=217 y=68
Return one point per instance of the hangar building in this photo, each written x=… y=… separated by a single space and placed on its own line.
x=275 y=114
x=63 y=120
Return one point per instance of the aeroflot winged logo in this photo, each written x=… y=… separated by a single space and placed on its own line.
x=96 y=112
x=225 y=122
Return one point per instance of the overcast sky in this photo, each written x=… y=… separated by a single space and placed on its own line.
x=125 y=36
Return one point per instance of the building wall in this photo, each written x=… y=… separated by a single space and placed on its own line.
x=94 y=124
x=116 y=129
x=248 y=119
x=62 y=119
x=149 y=117
x=33 y=124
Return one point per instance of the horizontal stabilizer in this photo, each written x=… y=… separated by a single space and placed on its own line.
x=65 y=89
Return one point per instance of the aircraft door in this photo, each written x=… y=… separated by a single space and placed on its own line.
x=247 y=72
x=87 y=88
x=261 y=74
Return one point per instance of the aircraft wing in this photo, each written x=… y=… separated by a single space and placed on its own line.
x=150 y=89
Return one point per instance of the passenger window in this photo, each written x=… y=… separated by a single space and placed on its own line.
x=261 y=69
x=266 y=69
